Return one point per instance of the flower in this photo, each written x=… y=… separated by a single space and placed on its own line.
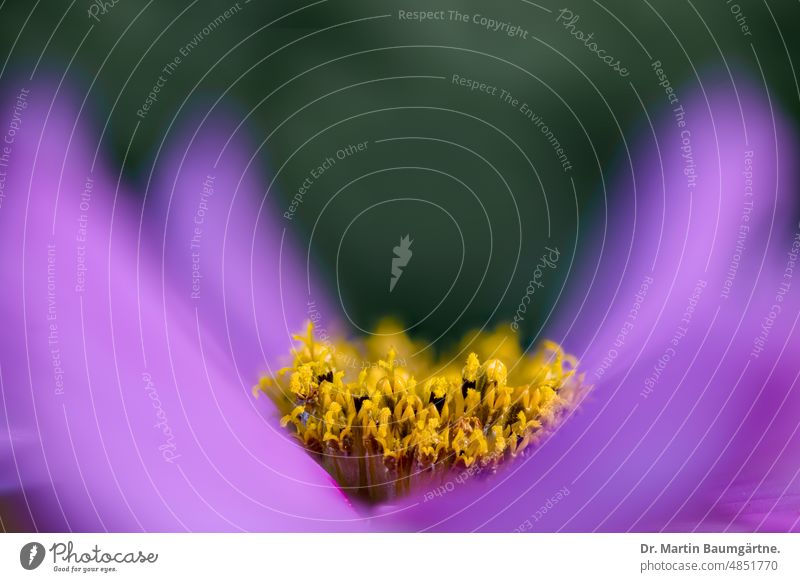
x=126 y=400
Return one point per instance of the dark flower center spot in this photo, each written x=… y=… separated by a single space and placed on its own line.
x=437 y=402
x=466 y=386
x=358 y=401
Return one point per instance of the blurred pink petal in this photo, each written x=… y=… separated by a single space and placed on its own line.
x=154 y=428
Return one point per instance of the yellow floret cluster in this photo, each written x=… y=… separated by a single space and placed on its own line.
x=381 y=429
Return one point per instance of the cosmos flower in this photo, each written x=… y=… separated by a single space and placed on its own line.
x=135 y=327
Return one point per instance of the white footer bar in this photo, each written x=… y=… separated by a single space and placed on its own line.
x=386 y=557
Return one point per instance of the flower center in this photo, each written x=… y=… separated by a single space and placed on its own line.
x=383 y=432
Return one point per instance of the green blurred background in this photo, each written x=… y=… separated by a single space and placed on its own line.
x=473 y=180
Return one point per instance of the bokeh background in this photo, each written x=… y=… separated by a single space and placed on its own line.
x=354 y=72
